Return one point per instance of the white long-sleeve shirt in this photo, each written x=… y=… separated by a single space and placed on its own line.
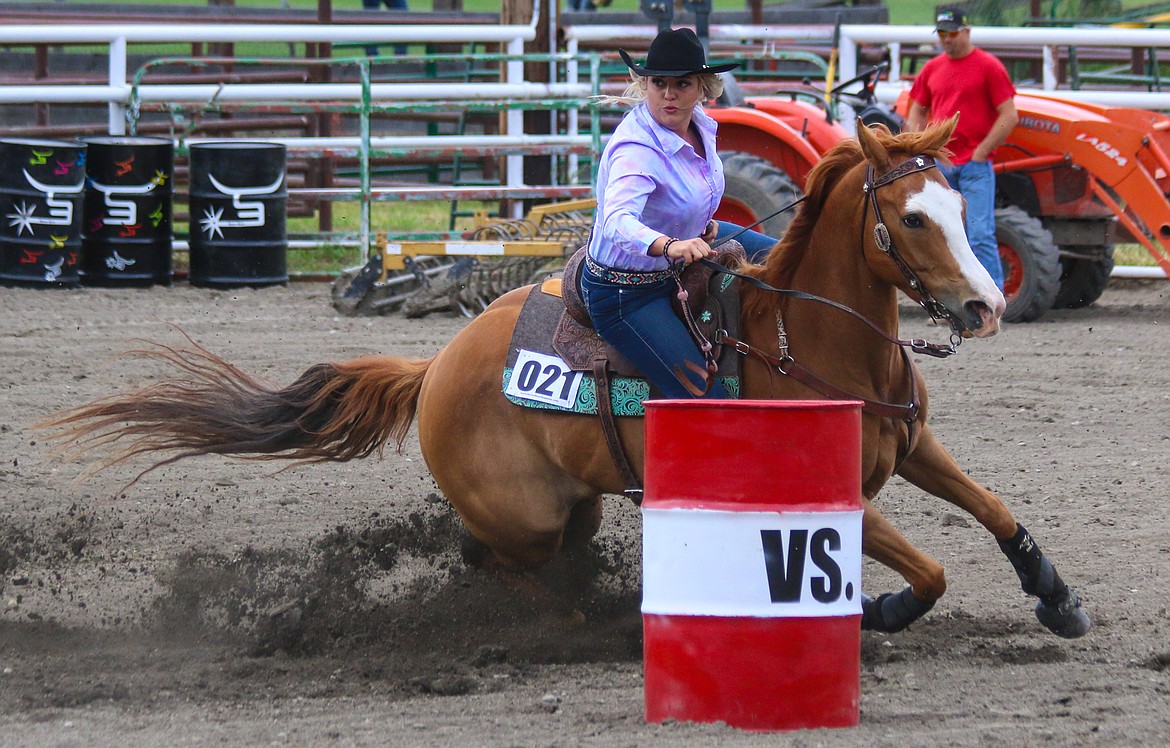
x=651 y=183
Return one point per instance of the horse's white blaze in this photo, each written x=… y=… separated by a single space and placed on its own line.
x=944 y=207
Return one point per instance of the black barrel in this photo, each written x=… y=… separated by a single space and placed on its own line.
x=41 y=185
x=239 y=208
x=126 y=228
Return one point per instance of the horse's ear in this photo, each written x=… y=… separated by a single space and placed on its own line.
x=940 y=134
x=875 y=152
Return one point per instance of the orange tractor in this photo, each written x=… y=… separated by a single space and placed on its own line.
x=1072 y=179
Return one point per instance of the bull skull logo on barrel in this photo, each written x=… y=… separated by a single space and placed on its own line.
x=249 y=214
x=60 y=211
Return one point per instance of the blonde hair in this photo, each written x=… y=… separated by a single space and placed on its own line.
x=710 y=84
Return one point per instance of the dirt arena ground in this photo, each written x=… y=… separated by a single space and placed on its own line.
x=231 y=602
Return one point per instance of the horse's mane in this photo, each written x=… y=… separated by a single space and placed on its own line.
x=823 y=179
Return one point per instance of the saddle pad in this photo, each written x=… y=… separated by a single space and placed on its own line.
x=535 y=376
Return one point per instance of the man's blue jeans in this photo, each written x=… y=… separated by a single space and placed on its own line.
x=399 y=49
x=975 y=181
x=639 y=322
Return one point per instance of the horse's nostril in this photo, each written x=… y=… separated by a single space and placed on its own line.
x=975 y=311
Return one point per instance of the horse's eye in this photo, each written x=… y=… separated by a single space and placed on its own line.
x=913 y=221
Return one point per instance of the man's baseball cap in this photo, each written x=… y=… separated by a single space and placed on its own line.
x=950 y=20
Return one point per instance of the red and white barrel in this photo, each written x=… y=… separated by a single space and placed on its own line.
x=751 y=606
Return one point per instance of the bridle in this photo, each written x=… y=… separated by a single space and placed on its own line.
x=881 y=237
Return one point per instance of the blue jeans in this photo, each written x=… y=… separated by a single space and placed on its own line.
x=399 y=49
x=754 y=243
x=975 y=181
x=640 y=323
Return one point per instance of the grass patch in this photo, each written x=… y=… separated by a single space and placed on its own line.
x=421 y=220
x=1132 y=254
x=325 y=260
x=401 y=217
x=406 y=219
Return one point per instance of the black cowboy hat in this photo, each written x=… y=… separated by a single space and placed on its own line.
x=675 y=53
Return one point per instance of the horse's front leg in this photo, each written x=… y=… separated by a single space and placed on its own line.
x=882 y=542
x=932 y=468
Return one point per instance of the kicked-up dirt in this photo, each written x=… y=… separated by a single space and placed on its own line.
x=221 y=601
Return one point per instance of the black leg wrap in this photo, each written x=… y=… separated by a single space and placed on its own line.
x=891 y=613
x=1059 y=608
x=1037 y=575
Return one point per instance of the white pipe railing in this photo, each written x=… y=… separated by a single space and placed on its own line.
x=1138 y=271
x=991 y=38
x=117 y=94
x=119 y=37
x=351 y=145
x=723 y=32
x=155 y=33
x=199 y=93
x=117 y=91
x=897 y=38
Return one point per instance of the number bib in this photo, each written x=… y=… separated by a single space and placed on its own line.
x=543 y=378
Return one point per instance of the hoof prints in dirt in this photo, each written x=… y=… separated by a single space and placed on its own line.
x=965 y=638
x=400 y=587
x=1159 y=662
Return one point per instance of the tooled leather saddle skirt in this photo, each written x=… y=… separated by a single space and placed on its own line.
x=554 y=348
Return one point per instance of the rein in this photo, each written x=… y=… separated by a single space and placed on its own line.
x=918 y=345
x=750 y=226
x=788 y=366
x=711 y=366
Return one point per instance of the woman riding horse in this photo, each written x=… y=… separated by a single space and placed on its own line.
x=659 y=182
x=878 y=219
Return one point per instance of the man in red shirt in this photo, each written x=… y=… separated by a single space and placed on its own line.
x=972 y=83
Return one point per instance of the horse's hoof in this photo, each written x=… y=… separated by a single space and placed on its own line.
x=1066 y=618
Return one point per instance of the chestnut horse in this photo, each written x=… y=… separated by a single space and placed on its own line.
x=878 y=218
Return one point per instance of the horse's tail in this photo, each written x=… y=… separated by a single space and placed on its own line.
x=336 y=411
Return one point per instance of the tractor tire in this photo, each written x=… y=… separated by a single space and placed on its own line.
x=755 y=189
x=1031 y=265
x=1083 y=281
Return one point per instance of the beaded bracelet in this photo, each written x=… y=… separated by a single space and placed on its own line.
x=666 y=247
